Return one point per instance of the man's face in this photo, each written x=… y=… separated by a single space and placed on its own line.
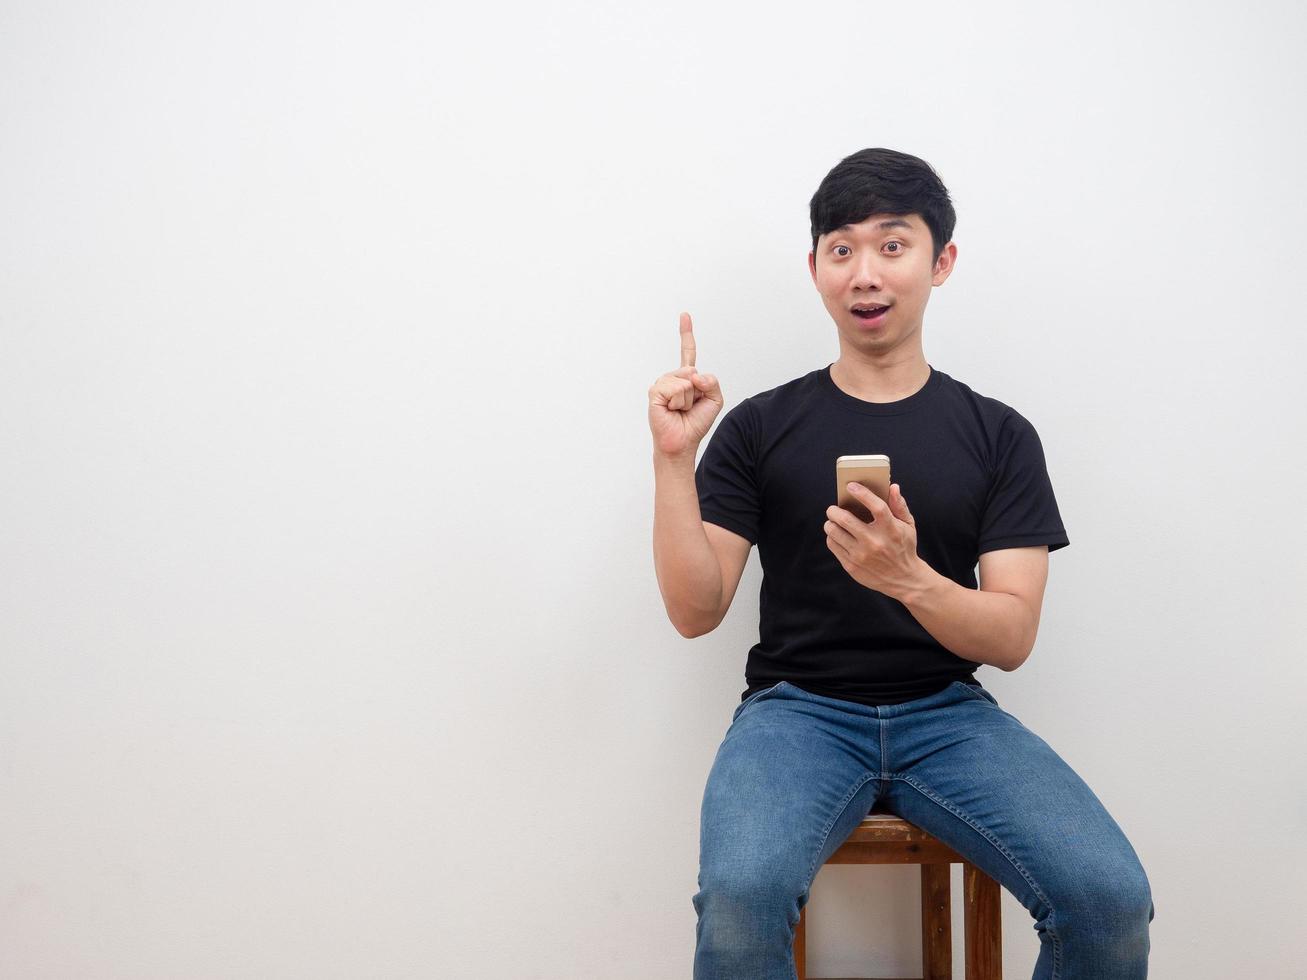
x=885 y=260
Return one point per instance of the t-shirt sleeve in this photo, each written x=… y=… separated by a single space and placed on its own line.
x=1021 y=509
x=726 y=477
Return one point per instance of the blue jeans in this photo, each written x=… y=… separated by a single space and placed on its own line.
x=797 y=772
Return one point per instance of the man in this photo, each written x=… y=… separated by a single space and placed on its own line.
x=861 y=689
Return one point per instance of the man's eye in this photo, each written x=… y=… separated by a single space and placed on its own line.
x=897 y=250
x=838 y=252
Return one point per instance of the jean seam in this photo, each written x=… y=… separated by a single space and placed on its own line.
x=1012 y=859
x=884 y=756
x=844 y=805
x=974 y=694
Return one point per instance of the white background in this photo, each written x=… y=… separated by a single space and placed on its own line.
x=330 y=642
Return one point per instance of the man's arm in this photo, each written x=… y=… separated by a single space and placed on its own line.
x=995 y=624
x=688 y=570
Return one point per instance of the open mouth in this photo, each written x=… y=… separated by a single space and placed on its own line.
x=869 y=312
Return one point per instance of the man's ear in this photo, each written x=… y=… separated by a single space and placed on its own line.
x=812 y=266
x=944 y=264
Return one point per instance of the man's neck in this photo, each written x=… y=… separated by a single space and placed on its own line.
x=881 y=382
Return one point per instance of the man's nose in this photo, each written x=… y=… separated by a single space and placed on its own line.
x=866 y=275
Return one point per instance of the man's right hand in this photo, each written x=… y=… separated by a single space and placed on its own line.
x=683 y=403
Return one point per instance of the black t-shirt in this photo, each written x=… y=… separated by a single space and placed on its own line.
x=972 y=472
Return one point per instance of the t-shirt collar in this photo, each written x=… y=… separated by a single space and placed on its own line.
x=900 y=407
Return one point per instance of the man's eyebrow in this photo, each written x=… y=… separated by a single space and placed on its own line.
x=889 y=223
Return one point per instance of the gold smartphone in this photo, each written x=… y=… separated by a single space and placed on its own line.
x=871 y=471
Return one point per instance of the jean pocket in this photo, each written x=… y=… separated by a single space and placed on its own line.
x=977 y=692
x=755 y=697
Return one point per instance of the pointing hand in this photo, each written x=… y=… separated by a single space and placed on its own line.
x=683 y=403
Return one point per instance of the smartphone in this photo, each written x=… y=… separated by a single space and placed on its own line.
x=871 y=471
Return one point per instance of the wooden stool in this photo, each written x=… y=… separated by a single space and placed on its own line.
x=883 y=838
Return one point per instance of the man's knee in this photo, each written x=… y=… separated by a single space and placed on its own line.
x=1116 y=894
x=750 y=894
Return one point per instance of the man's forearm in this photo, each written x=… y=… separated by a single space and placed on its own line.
x=994 y=628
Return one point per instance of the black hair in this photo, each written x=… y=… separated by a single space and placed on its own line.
x=881 y=181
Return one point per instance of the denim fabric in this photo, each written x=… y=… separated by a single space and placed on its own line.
x=796 y=773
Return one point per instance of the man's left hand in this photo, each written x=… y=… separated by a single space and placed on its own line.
x=881 y=553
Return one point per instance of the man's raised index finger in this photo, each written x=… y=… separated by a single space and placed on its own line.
x=687 y=341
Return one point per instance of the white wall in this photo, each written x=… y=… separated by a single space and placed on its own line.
x=330 y=642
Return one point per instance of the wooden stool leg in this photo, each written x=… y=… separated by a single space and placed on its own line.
x=801 y=947
x=936 y=923
x=984 y=925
